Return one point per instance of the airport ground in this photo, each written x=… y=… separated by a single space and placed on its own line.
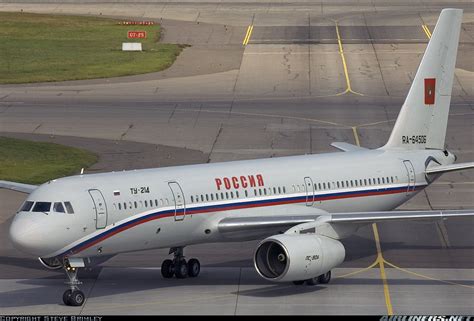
x=259 y=80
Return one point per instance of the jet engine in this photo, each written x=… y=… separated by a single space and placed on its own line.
x=286 y=257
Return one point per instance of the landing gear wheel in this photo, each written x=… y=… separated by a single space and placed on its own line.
x=167 y=269
x=324 y=278
x=312 y=281
x=181 y=270
x=194 y=267
x=299 y=282
x=67 y=296
x=77 y=298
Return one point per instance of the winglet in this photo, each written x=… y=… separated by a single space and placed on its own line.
x=346 y=147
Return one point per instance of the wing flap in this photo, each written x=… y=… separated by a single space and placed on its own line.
x=19 y=187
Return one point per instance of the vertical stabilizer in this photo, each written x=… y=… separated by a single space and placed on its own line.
x=423 y=118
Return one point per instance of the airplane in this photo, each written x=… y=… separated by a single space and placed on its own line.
x=301 y=206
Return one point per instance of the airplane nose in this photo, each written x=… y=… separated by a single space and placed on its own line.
x=27 y=235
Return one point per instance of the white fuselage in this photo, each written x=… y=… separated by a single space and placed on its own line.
x=177 y=206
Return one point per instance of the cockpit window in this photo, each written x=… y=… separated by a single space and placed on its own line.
x=58 y=207
x=69 y=208
x=26 y=206
x=42 y=207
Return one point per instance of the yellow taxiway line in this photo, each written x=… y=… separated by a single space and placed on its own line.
x=380 y=260
x=247 y=35
x=427 y=31
x=344 y=64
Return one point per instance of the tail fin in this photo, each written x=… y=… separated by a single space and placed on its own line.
x=423 y=118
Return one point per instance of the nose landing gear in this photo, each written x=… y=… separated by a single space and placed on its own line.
x=179 y=267
x=73 y=296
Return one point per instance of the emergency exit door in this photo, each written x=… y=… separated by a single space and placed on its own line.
x=309 y=187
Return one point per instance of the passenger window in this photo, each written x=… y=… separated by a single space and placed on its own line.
x=58 y=207
x=284 y=189
x=69 y=208
x=124 y=206
x=26 y=206
x=119 y=206
x=207 y=197
x=156 y=203
x=135 y=204
x=279 y=190
x=226 y=195
x=237 y=194
x=146 y=203
x=246 y=193
x=217 y=196
x=212 y=197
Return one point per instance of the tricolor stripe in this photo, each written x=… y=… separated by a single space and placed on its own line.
x=240 y=204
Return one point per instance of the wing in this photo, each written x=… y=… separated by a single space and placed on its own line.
x=346 y=147
x=235 y=225
x=19 y=187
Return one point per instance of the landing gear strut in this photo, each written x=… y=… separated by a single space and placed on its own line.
x=178 y=266
x=73 y=296
x=322 y=279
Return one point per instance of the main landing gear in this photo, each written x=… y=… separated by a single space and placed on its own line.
x=179 y=267
x=322 y=279
x=73 y=296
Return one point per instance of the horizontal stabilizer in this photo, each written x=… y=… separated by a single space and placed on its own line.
x=19 y=187
x=346 y=147
x=449 y=168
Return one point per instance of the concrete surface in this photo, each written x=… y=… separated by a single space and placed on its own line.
x=284 y=93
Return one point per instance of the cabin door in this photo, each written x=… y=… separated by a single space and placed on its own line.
x=100 y=208
x=411 y=176
x=179 y=203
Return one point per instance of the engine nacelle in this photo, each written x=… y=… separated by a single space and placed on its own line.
x=286 y=257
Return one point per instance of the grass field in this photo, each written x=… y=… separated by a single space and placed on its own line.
x=35 y=163
x=39 y=48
